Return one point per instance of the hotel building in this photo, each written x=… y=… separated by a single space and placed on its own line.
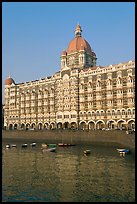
x=81 y=95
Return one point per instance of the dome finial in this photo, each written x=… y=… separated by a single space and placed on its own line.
x=78 y=30
x=9 y=75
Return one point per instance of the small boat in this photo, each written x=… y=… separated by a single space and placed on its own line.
x=7 y=146
x=65 y=144
x=51 y=145
x=44 y=145
x=13 y=145
x=33 y=144
x=122 y=152
x=49 y=149
x=87 y=152
x=24 y=145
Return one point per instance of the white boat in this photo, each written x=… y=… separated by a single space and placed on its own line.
x=123 y=150
x=13 y=145
x=24 y=145
x=49 y=149
x=33 y=144
x=87 y=151
x=7 y=146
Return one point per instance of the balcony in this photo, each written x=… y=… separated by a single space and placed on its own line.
x=39 y=96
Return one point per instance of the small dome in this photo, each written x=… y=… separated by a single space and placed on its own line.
x=9 y=81
x=64 y=53
x=93 y=53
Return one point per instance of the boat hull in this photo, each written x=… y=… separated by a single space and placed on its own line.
x=123 y=150
x=65 y=145
x=49 y=149
x=24 y=145
x=87 y=152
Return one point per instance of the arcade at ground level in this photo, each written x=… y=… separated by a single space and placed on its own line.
x=83 y=125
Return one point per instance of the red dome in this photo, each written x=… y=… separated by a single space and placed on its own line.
x=9 y=81
x=78 y=43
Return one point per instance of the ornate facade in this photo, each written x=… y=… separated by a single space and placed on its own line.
x=79 y=96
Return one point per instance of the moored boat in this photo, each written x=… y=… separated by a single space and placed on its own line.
x=44 y=145
x=65 y=144
x=33 y=144
x=87 y=151
x=7 y=146
x=123 y=150
x=51 y=145
x=24 y=145
x=13 y=145
x=49 y=149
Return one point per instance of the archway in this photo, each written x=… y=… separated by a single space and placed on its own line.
x=121 y=124
x=131 y=124
x=59 y=125
x=73 y=125
x=82 y=125
x=15 y=126
x=10 y=127
x=91 y=125
x=111 y=124
x=46 y=126
x=99 y=125
x=22 y=126
x=52 y=126
x=40 y=126
x=33 y=125
x=27 y=126
x=66 y=125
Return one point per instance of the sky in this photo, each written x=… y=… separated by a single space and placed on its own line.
x=34 y=34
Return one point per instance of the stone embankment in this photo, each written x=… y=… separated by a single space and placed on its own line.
x=74 y=136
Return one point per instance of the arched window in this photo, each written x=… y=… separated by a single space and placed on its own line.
x=102 y=113
x=93 y=113
x=123 y=112
x=89 y=114
x=118 y=112
x=109 y=113
x=129 y=112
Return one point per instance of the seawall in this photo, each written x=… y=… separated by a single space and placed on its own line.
x=74 y=136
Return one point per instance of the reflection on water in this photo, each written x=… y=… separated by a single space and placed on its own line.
x=67 y=175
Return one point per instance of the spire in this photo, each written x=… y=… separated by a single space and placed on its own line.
x=78 y=31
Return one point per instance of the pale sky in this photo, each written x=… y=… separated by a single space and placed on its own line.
x=35 y=33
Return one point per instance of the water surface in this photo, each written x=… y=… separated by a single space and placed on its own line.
x=67 y=175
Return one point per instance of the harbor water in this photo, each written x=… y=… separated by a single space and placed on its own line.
x=67 y=175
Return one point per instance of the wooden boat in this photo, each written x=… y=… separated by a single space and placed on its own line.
x=87 y=152
x=7 y=146
x=65 y=144
x=49 y=149
x=24 y=145
x=13 y=145
x=44 y=145
x=33 y=144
